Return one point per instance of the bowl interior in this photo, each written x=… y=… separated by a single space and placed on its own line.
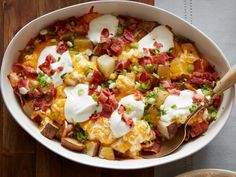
x=180 y=27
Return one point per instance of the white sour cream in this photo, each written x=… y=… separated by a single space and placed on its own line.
x=79 y=106
x=160 y=34
x=134 y=110
x=177 y=107
x=96 y=26
x=64 y=60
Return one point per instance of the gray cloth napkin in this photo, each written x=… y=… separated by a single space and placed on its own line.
x=216 y=18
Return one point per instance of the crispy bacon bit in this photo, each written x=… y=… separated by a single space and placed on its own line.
x=197 y=98
x=61 y=47
x=123 y=64
x=129 y=122
x=161 y=58
x=145 y=76
x=166 y=84
x=108 y=101
x=104 y=35
x=217 y=101
x=46 y=66
x=145 y=60
x=60 y=68
x=121 y=109
x=128 y=35
x=96 y=78
x=25 y=70
x=157 y=44
x=156 y=147
x=200 y=78
x=94 y=116
x=198 y=128
x=138 y=95
x=117 y=45
x=174 y=91
x=145 y=50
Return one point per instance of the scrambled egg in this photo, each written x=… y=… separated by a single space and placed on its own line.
x=131 y=142
x=99 y=130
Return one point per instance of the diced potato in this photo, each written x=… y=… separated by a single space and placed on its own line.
x=168 y=130
x=13 y=78
x=81 y=44
x=106 y=65
x=106 y=153
x=28 y=108
x=160 y=97
x=72 y=144
x=91 y=148
x=164 y=72
x=49 y=130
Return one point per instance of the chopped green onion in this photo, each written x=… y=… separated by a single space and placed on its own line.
x=81 y=91
x=80 y=134
x=149 y=68
x=155 y=51
x=206 y=90
x=163 y=112
x=170 y=49
x=193 y=108
x=63 y=75
x=174 y=106
x=156 y=75
x=95 y=97
x=190 y=68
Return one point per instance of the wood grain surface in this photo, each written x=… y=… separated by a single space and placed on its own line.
x=21 y=155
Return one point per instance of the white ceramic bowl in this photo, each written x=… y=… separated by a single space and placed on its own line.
x=207 y=47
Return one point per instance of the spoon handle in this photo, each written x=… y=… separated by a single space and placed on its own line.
x=227 y=81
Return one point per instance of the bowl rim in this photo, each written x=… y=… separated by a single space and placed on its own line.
x=143 y=165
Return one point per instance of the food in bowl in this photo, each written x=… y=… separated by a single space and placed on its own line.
x=113 y=86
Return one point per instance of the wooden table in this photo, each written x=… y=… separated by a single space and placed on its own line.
x=20 y=154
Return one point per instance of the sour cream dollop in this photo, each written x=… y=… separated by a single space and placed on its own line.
x=79 y=106
x=160 y=34
x=134 y=111
x=63 y=60
x=97 y=25
x=177 y=107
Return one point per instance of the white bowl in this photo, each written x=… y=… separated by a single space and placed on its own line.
x=180 y=27
x=208 y=173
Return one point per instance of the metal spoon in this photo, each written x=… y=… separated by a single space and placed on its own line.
x=169 y=146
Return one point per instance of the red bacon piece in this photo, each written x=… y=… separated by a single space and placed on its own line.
x=94 y=116
x=25 y=70
x=104 y=35
x=138 y=95
x=129 y=122
x=198 y=128
x=46 y=66
x=117 y=45
x=108 y=101
x=157 y=44
x=156 y=147
x=121 y=109
x=217 y=101
x=166 y=84
x=145 y=60
x=161 y=58
x=61 y=47
x=128 y=35
x=123 y=64
x=145 y=76
x=96 y=78
x=200 y=78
